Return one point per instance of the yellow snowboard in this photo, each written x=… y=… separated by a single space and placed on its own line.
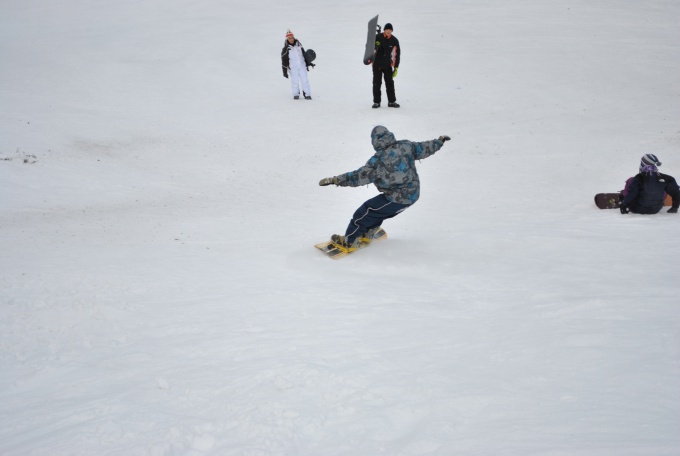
x=336 y=251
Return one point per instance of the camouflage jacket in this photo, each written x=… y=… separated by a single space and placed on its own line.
x=392 y=168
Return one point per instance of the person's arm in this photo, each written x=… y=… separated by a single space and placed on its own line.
x=284 y=60
x=425 y=149
x=397 y=56
x=673 y=190
x=633 y=190
x=362 y=176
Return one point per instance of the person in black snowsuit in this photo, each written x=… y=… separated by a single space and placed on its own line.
x=645 y=193
x=385 y=65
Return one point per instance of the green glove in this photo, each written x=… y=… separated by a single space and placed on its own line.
x=394 y=73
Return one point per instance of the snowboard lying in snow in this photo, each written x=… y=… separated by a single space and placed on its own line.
x=613 y=200
x=336 y=251
x=608 y=200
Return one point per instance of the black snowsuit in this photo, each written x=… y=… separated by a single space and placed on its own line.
x=387 y=57
x=647 y=193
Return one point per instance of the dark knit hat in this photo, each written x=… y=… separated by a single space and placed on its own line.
x=388 y=26
x=649 y=163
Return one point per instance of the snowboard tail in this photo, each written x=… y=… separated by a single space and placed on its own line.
x=373 y=31
x=335 y=251
x=608 y=200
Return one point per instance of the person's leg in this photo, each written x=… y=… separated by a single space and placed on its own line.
x=371 y=214
x=305 y=82
x=295 y=82
x=389 y=86
x=377 y=84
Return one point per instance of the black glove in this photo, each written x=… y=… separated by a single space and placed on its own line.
x=673 y=210
x=285 y=73
x=444 y=138
x=328 y=181
x=625 y=209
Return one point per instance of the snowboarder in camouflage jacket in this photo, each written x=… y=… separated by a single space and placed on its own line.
x=392 y=170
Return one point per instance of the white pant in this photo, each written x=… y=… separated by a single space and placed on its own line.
x=297 y=76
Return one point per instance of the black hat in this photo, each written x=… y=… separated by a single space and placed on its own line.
x=388 y=26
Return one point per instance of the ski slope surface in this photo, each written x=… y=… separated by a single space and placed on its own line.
x=159 y=289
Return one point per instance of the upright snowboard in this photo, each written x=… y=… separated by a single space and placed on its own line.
x=613 y=200
x=335 y=251
x=373 y=30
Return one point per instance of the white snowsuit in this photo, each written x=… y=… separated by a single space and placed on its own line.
x=293 y=55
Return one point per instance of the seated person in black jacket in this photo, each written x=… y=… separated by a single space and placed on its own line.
x=646 y=192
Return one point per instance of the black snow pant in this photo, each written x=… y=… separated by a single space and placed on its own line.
x=371 y=214
x=378 y=74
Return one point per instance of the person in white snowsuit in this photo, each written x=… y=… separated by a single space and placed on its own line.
x=293 y=61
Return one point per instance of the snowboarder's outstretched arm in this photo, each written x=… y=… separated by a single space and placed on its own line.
x=362 y=176
x=368 y=174
x=425 y=149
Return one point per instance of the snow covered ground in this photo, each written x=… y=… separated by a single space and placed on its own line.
x=159 y=289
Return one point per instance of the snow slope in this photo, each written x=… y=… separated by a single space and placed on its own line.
x=159 y=292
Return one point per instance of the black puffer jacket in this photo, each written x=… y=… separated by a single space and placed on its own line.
x=387 y=52
x=647 y=192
